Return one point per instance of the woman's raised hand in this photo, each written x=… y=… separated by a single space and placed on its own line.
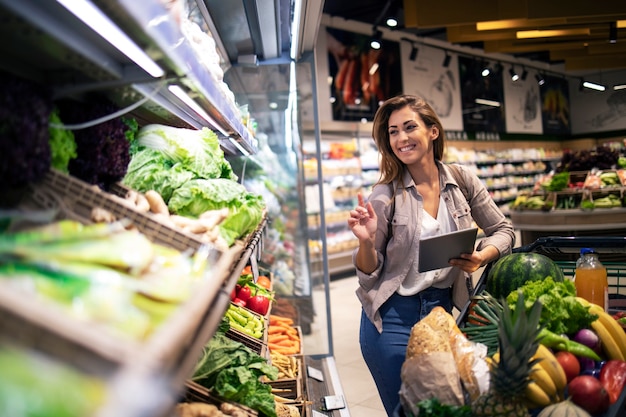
x=363 y=220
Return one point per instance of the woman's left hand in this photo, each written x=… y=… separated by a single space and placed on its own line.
x=468 y=262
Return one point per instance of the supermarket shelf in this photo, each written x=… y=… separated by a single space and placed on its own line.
x=60 y=45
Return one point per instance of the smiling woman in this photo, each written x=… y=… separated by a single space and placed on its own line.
x=417 y=197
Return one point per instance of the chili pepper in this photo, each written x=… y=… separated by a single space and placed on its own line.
x=555 y=341
x=613 y=378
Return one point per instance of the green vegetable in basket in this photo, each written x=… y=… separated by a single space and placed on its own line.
x=200 y=195
x=561 y=313
x=62 y=143
x=558 y=181
x=232 y=371
x=38 y=386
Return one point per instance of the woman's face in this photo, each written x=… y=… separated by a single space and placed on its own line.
x=410 y=139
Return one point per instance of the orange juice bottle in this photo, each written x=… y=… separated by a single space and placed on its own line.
x=591 y=280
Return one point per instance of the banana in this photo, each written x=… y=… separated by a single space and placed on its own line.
x=552 y=366
x=609 y=345
x=536 y=395
x=616 y=331
x=544 y=381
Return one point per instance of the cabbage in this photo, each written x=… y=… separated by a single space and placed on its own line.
x=200 y=195
x=197 y=150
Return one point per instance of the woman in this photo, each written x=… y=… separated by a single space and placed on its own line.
x=417 y=196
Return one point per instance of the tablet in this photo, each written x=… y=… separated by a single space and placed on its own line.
x=436 y=251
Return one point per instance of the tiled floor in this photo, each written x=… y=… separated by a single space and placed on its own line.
x=358 y=386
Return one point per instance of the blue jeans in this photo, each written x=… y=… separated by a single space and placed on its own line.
x=384 y=353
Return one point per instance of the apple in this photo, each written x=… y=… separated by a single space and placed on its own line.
x=589 y=394
x=570 y=364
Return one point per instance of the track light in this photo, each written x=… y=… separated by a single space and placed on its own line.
x=613 y=32
x=413 y=54
x=377 y=40
x=514 y=76
x=392 y=22
x=524 y=74
x=540 y=79
x=446 y=60
x=486 y=71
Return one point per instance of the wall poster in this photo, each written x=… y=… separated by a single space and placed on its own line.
x=598 y=111
x=427 y=76
x=361 y=76
x=522 y=102
x=477 y=90
x=555 y=106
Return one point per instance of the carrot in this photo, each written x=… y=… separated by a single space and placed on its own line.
x=275 y=338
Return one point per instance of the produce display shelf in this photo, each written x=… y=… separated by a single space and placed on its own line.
x=163 y=361
x=564 y=250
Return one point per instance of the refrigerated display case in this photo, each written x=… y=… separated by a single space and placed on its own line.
x=164 y=79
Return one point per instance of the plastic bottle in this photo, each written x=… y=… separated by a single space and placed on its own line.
x=591 y=279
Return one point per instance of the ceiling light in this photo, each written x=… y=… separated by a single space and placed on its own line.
x=621 y=24
x=377 y=40
x=514 y=76
x=519 y=23
x=101 y=24
x=486 y=102
x=527 y=34
x=593 y=86
x=619 y=87
x=392 y=22
x=486 y=71
x=446 y=60
x=413 y=54
x=540 y=79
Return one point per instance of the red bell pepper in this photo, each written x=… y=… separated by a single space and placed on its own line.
x=613 y=378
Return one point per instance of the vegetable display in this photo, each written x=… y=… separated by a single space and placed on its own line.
x=25 y=156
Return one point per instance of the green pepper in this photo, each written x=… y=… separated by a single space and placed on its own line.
x=555 y=341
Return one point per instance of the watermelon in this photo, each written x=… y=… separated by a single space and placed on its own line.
x=512 y=271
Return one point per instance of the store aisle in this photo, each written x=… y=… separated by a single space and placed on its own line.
x=358 y=386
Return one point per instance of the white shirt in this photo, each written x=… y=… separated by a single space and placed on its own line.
x=419 y=281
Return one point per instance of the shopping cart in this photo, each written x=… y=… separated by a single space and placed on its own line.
x=564 y=251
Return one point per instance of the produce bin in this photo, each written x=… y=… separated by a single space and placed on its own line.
x=564 y=251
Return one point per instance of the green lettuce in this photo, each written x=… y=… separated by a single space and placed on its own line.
x=196 y=150
x=561 y=312
x=151 y=170
x=200 y=195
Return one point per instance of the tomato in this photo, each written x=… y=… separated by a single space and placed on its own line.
x=244 y=293
x=264 y=282
x=570 y=364
x=259 y=304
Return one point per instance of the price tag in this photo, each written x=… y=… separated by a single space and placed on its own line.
x=315 y=373
x=333 y=402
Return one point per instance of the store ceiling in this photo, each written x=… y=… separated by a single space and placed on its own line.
x=584 y=47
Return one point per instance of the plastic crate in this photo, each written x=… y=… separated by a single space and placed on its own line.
x=564 y=251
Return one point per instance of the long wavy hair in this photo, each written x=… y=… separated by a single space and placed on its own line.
x=390 y=166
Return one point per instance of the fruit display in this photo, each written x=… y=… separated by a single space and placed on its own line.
x=548 y=351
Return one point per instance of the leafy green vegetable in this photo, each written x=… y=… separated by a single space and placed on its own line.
x=558 y=181
x=197 y=150
x=62 y=143
x=200 y=195
x=232 y=370
x=151 y=170
x=561 y=313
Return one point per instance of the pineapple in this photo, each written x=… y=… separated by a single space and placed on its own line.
x=517 y=339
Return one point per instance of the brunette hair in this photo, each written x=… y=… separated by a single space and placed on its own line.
x=390 y=166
